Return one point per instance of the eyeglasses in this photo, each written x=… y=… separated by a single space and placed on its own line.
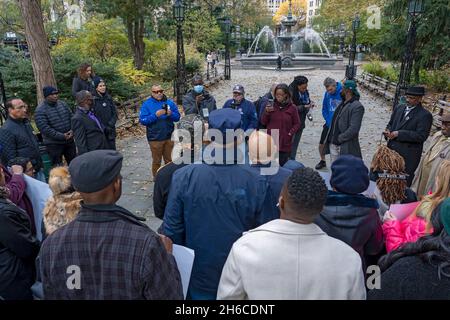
x=237 y=94
x=24 y=106
x=158 y=91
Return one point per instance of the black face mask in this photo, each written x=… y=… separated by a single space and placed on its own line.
x=342 y=95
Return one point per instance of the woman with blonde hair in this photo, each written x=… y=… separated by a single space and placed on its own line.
x=418 y=223
x=64 y=205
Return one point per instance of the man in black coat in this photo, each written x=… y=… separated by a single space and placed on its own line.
x=409 y=128
x=105 y=110
x=198 y=100
x=17 y=138
x=88 y=131
x=53 y=119
x=18 y=249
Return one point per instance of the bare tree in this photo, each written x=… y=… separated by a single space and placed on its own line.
x=38 y=45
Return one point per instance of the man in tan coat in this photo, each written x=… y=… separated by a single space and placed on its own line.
x=438 y=150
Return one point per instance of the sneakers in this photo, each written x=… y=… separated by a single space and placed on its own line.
x=322 y=164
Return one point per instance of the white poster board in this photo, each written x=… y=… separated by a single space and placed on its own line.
x=185 y=260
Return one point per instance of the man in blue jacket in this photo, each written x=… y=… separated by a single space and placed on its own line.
x=158 y=114
x=210 y=206
x=331 y=100
x=249 y=119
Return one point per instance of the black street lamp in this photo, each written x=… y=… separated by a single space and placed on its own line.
x=178 y=15
x=350 y=71
x=227 y=27
x=415 y=9
x=238 y=40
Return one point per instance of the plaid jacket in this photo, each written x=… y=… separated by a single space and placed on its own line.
x=118 y=258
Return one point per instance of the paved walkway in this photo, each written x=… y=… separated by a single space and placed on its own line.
x=138 y=190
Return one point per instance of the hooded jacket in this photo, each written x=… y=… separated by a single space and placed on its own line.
x=330 y=103
x=190 y=105
x=248 y=113
x=353 y=219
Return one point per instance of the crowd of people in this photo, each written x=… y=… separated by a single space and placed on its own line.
x=290 y=233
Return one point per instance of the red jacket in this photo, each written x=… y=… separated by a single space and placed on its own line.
x=398 y=233
x=286 y=120
x=16 y=185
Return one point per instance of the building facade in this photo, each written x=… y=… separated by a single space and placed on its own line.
x=273 y=5
x=312 y=10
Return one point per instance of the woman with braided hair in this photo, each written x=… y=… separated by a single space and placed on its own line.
x=388 y=171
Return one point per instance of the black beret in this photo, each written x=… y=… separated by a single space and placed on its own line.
x=95 y=170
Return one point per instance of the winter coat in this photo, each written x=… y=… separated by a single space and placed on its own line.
x=283 y=260
x=17 y=185
x=18 y=140
x=18 y=251
x=413 y=131
x=106 y=111
x=209 y=208
x=249 y=119
x=286 y=120
x=344 y=130
x=412 y=278
x=158 y=128
x=330 y=104
x=64 y=205
x=425 y=175
x=353 y=219
x=53 y=121
x=79 y=84
x=87 y=134
x=190 y=105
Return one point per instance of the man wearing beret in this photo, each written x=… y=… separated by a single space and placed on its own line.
x=211 y=205
x=438 y=150
x=53 y=119
x=348 y=215
x=409 y=128
x=106 y=253
x=88 y=131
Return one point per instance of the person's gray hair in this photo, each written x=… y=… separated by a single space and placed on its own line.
x=196 y=78
x=329 y=82
x=82 y=96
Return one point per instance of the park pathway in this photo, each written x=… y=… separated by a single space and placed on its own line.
x=137 y=188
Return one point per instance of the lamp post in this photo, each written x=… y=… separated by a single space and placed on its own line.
x=178 y=14
x=227 y=27
x=350 y=71
x=238 y=40
x=415 y=9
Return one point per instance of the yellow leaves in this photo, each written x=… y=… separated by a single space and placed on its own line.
x=128 y=71
x=298 y=10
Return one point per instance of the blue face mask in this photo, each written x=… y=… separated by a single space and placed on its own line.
x=199 y=88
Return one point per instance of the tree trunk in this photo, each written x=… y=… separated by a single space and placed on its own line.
x=135 y=32
x=38 y=45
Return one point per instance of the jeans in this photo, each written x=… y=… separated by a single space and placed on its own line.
x=160 y=150
x=295 y=143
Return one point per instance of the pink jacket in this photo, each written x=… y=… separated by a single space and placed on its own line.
x=399 y=232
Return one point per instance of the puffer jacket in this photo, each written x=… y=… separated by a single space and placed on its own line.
x=410 y=229
x=53 y=121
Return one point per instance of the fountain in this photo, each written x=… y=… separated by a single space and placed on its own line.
x=304 y=48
